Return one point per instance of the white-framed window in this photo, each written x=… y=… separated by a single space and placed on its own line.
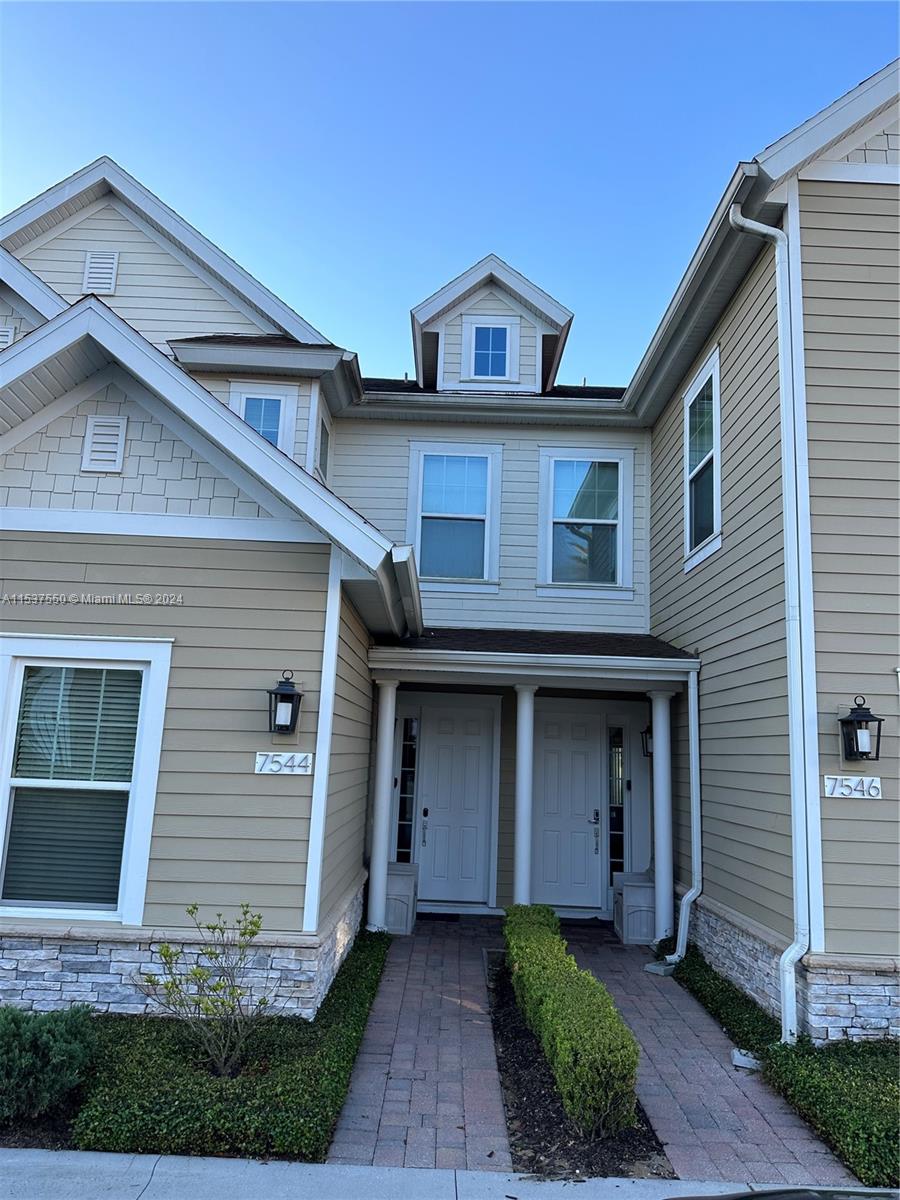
x=324 y=448
x=454 y=512
x=586 y=518
x=490 y=350
x=82 y=730
x=269 y=408
x=702 y=464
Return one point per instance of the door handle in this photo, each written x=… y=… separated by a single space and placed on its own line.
x=424 y=826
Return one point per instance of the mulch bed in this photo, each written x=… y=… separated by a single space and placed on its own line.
x=53 y=1131
x=543 y=1140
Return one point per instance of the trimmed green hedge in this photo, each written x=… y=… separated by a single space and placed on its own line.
x=590 y=1049
x=150 y=1095
x=43 y=1056
x=849 y=1092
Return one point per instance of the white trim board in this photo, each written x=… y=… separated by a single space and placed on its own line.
x=192 y=405
x=126 y=187
x=312 y=894
x=844 y=172
x=154 y=659
x=119 y=524
x=32 y=289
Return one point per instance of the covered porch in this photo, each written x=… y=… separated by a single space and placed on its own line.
x=528 y=767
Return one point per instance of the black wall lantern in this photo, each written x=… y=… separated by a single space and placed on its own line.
x=858 y=738
x=284 y=705
x=647 y=742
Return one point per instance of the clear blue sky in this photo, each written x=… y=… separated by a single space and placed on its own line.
x=355 y=157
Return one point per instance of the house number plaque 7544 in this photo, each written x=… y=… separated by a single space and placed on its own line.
x=282 y=763
x=859 y=787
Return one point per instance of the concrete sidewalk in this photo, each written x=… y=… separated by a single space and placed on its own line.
x=72 y=1175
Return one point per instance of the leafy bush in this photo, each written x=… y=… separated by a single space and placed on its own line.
x=43 y=1056
x=849 y=1093
x=152 y=1092
x=749 y=1026
x=213 y=995
x=590 y=1049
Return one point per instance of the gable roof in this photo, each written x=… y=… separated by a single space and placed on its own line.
x=723 y=255
x=32 y=289
x=491 y=269
x=105 y=176
x=90 y=323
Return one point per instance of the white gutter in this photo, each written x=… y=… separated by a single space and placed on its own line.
x=795 y=500
x=687 y=900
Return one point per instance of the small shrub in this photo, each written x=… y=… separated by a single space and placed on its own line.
x=149 y=1095
x=213 y=996
x=43 y=1056
x=590 y=1049
x=849 y=1093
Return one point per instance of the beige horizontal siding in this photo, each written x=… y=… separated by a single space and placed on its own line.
x=221 y=834
x=156 y=293
x=348 y=780
x=850 y=237
x=730 y=610
x=370 y=470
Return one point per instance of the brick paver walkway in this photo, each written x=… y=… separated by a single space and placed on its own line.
x=716 y=1122
x=425 y=1091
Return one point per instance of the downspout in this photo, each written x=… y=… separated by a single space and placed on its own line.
x=796 y=719
x=687 y=900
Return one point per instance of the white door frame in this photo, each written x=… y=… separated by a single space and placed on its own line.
x=411 y=704
x=630 y=713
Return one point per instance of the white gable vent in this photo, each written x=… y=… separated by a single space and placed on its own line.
x=7 y=333
x=100 y=267
x=104 y=444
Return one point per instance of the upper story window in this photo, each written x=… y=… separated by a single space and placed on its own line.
x=702 y=465
x=324 y=449
x=490 y=351
x=454 y=511
x=586 y=518
x=270 y=409
x=490 y=348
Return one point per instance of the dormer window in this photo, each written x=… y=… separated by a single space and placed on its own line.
x=269 y=408
x=490 y=348
x=490 y=351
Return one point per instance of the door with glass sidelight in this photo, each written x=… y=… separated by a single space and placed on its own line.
x=591 y=807
x=444 y=790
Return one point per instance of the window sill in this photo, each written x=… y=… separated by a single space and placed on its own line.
x=21 y=912
x=486 y=379
x=471 y=586
x=703 y=552
x=586 y=591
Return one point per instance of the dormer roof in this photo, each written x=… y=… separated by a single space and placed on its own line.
x=104 y=177
x=492 y=270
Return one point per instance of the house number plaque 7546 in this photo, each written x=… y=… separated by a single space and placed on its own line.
x=859 y=787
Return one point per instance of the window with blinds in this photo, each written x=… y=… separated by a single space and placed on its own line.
x=71 y=781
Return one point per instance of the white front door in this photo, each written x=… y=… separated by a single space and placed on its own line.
x=568 y=855
x=453 y=837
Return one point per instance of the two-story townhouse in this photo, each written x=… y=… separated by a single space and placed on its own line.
x=547 y=638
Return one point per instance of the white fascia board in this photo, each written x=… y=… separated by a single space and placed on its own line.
x=574 y=666
x=23 y=281
x=321 y=507
x=808 y=140
x=120 y=183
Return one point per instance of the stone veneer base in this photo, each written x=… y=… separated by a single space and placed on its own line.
x=837 y=996
x=44 y=971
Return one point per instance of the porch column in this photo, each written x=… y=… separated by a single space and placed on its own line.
x=524 y=792
x=663 y=867
x=381 y=817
